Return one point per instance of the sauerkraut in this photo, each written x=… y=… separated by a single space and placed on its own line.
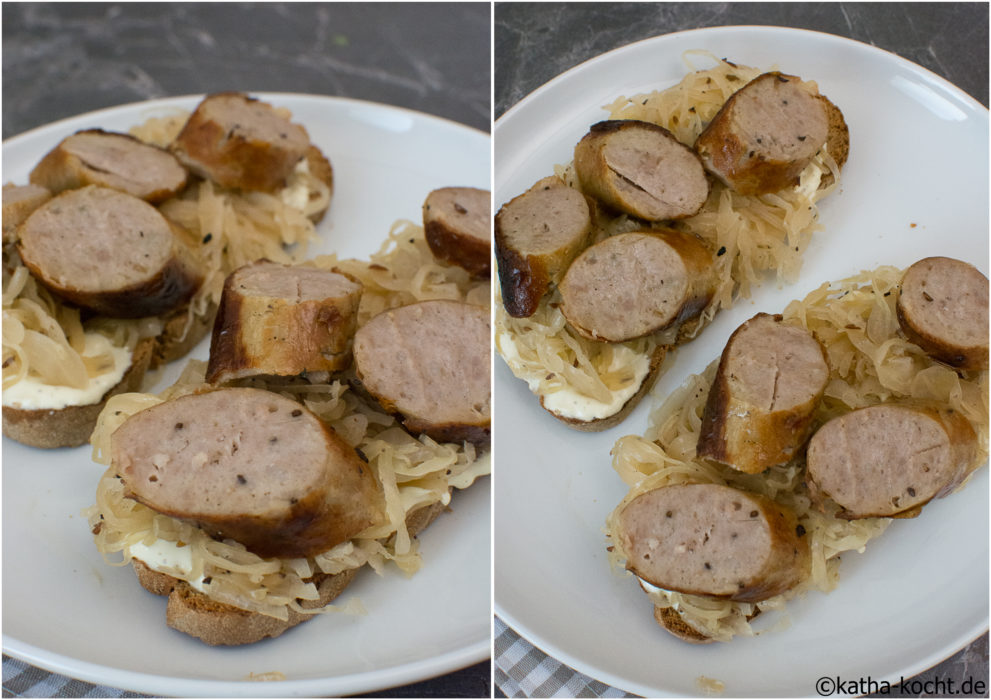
x=870 y=362
x=413 y=472
x=752 y=238
x=43 y=338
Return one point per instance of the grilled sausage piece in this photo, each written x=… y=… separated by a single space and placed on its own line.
x=429 y=362
x=713 y=540
x=249 y=465
x=281 y=320
x=641 y=169
x=109 y=252
x=771 y=379
x=889 y=460
x=456 y=226
x=240 y=142
x=118 y=161
x=537 y=235
x=943 y=308
x=765 y=135
x=18 y=203
x=632 y=284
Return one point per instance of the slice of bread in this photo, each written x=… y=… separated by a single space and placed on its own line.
x=220 y=624
x=71 y=426
x=599 y=424
x=671 y=620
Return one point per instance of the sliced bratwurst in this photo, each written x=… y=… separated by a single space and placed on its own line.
x=249 y=465
x=765 y=135
x=109 y=252
x=771 y=379
x=118 y=161
x=641 y=169
x=889 y=460
x=632 y=284
x=240 y=142
x=429 y=362
x=282 y=320
x=456 y=226
x=943 y=308
x=713 y=540
x=537 y=235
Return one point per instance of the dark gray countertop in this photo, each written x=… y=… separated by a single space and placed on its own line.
x=534 y=42
x=64 y=59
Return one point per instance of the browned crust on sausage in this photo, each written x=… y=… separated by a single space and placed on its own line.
x=239 y=163
x=593 y=171
x=837 y=140
x=760 y=440
x=61 y=170
x=600 y=424
x=454 y=246
x=216 y=623
x=72 y=426
x=321 y=168
x=671 y=620
x=525 y=278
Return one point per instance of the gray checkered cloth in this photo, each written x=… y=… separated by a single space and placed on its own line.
x=523 y=671
x=22 y=680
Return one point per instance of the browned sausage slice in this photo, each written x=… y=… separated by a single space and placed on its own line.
x=118 y=161
x=890 y=459
x=456 y=226
x=765 y=135
x=943 y=308
x=240 y=142
x=109 y=252
x=641 y=169
x=632 y=284
x=282 y=320
x=18 y=203
x=713 y=540
x=770 y=380
x=249 y=465
x=429 y=362
x=537 y=235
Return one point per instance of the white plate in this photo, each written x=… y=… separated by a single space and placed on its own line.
x=916 y=184
x=67 y=611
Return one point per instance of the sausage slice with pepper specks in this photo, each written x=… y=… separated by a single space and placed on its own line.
x=240 y=142
x=641 y=169
x=713 y=540
x=943 y=308
x=118 y=161
x=765 y=135
x=771 y=379
x=283 y=320
x=632 y=284
x=456 y=226
x=109 y=252
x=537 y=235
x=429 y=362
x=249 y=465
x=889 y=460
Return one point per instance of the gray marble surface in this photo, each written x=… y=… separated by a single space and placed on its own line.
x=534 y=42
x=64 y=59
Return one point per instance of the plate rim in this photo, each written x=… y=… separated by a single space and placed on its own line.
x=590 y=668
x=352 y=683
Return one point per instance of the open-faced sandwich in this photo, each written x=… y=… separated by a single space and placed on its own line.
x=672 y=209
x=814 y=429
x=115 y=253
x=343 y=402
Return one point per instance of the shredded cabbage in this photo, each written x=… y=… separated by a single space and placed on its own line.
x=870 y=362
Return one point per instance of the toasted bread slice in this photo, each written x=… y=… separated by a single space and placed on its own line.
x=600 y=424
x=71 y=426
x=837 y=138
x=220 y=624
x=671 y=620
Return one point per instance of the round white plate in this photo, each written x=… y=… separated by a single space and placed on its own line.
x=65 y=610
x=916 y=184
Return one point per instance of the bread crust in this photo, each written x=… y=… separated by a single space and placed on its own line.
x=671 y=620
x=72 y=426
x=220 y=624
